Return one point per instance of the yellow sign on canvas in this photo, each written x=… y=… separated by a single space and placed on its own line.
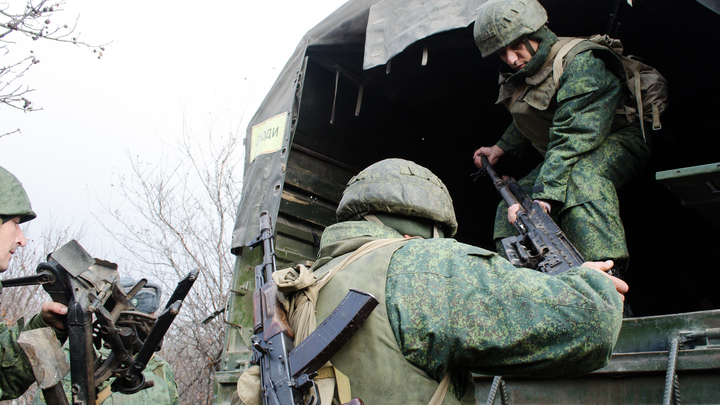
x=267 y=136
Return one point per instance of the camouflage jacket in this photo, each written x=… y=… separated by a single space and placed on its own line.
x=579 y=114
x=456 y=307
x=17 y=373
x=164 y=392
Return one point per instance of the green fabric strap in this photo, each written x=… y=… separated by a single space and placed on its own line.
x=375 y=340
x=442 y=388
x=529 y=47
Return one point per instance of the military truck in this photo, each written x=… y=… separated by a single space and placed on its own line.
x=403 y=78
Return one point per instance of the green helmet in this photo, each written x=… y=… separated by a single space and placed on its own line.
x=501 y=22
x=14 y=201
x=401 y=187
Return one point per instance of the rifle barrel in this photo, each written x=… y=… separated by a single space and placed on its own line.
x=43 y=277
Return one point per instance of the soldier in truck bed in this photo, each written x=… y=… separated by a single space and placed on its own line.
x=589 y=150
x=446 y=308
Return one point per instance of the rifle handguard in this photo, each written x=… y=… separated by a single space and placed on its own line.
x=273 y=313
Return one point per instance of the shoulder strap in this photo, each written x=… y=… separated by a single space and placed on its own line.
x=300 y=304
x=337 y=382
x=558 y=62
x=441 y=391
x=638 y=99
x=363 y=250
x=558 y=67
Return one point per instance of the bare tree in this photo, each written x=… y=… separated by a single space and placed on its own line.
x=177 y=215
x=18 y=302
x=34 y=21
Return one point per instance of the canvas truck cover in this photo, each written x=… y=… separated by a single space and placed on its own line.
x=381 y=30
x=384 y=29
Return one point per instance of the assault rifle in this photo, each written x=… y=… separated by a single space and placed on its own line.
x=541 y=245
x=286 y=372
x=100 y=312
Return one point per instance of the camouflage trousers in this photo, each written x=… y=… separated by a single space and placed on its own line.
x=590 y=214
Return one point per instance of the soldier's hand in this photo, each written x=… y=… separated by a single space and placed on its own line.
x=492 y=153
x=604 y=268
x=544 y=204
x=512 y=213
x=513 y=209
x=54 y=313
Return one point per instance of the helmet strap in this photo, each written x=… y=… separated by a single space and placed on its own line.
x=529 y=47
x=372 y=218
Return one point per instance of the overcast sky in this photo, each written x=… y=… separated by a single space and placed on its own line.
x=207 y=63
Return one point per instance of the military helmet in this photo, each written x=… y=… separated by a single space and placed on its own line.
x=501 y=22
x=14 y=201
x=147 y=299
x=402 y=187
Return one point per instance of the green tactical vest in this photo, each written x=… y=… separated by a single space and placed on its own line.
x=532 y=104
x=378 y=371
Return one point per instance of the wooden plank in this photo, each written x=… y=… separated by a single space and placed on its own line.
x=302 y=207
x=314 y=184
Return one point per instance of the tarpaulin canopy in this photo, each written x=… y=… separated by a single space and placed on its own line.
x=383 y=29
x=411 y=66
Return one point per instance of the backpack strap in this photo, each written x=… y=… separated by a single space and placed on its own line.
x=558 y=62
x=337 y=381
x=579 y=45
x=441 y=391
x=558 y=68
x=302 y=289
x=638 y=100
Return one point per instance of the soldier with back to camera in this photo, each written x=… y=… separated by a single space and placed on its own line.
x=447 y=309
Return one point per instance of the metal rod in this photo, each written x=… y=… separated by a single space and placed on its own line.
x=670 y=373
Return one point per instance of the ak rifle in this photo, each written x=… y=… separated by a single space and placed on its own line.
x=286 y=372
x=541 y=245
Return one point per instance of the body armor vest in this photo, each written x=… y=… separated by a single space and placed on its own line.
x=532 y=103
x=378 y=371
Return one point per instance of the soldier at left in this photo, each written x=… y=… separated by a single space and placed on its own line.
x=16 y=374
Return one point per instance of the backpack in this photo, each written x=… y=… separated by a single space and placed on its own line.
x=648 y=89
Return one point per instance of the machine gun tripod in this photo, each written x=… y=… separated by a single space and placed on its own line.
x=100 y=313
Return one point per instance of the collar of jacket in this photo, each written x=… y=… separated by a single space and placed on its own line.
x=535 y=63
x=348 y=236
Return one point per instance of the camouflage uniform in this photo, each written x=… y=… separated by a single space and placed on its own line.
x=589 y=150
x=450 y=307
x=164 y=392
x=17 y=374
